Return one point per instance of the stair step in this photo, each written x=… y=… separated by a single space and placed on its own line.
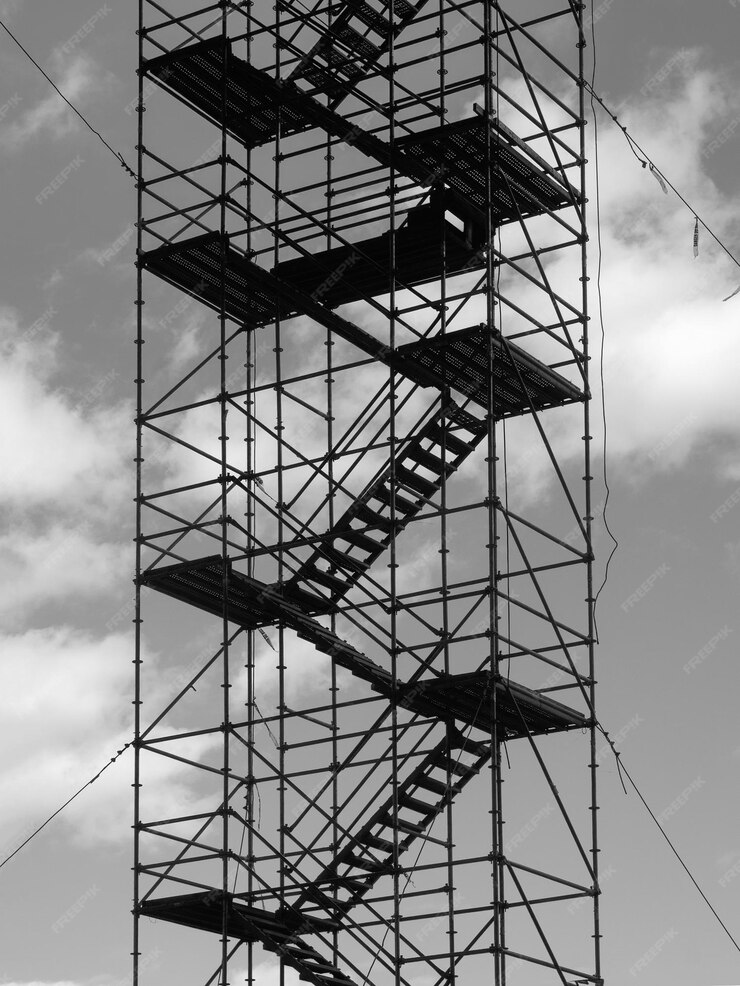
x=457 y=768
x=361 y=540
x=414 y=481
x=474 y=747
x=344 y=561
x=464 y=419
x=428 y=460
x=371 y=18
x=354 y=884
x=370 y=517
x=356 y=42
x=402 y=504
x=412 y=828
x=431 y=784
x=363 y=863
x=376 y=842
x=333 y=582
x=455 y=446
x=414 y=804
x=403 y=9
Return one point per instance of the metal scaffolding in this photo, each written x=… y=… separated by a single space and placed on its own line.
x=363 y=505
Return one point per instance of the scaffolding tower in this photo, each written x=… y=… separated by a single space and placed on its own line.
x=365 y=729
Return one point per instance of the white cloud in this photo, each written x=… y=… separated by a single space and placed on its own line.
x=64 y=707
x=45 y=982
x=9 y=7
x=68 y=451
x=53 y=564
x=51 y=116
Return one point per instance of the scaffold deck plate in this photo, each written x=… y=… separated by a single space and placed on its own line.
x=196 y=267
x=195 y=74
x=460 y=359
x=519 y=710
x=250 y=294
x=362 y=270
x=203 y=911
x=521 y=185
x=255 y=103
x=249 y=603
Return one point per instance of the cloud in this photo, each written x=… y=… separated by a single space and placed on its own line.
x=51 y=116
x=8 y=8
x=68 y=448
x=44 y=982
x=69 y=684
x=61 y=562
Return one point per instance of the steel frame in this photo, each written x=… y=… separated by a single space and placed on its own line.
x=376 y=211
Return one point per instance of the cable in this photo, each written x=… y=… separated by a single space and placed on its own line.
x=605 y=455
x=68 y=802
x=646 y=161
x=665 y=835
x=116 y=154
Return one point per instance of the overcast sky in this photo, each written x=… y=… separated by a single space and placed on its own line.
x=668 y=617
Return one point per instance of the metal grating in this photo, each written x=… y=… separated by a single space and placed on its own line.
x=521 y=185
x=469 y=699
x=249 y=603
x=460 y=359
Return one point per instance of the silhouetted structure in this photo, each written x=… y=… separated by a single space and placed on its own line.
x=372 y=214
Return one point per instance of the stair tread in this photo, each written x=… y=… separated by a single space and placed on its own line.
x=428 y=460
x=454 y=445
x=415 y=804
x=361 y=540
x=315 y=574
x=342 y=560
x=416 y=482
x=402 y=504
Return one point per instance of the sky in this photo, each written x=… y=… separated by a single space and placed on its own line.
x=668 y=615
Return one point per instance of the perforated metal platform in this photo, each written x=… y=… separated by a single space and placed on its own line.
x=467 y=699
x=201 y=74
x=523 y=184
x=198 y=267
x=460 y=360
x=251 y=295
x=248 y=602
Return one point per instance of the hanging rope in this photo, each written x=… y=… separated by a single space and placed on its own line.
x=116 y=154
x=66 y=803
